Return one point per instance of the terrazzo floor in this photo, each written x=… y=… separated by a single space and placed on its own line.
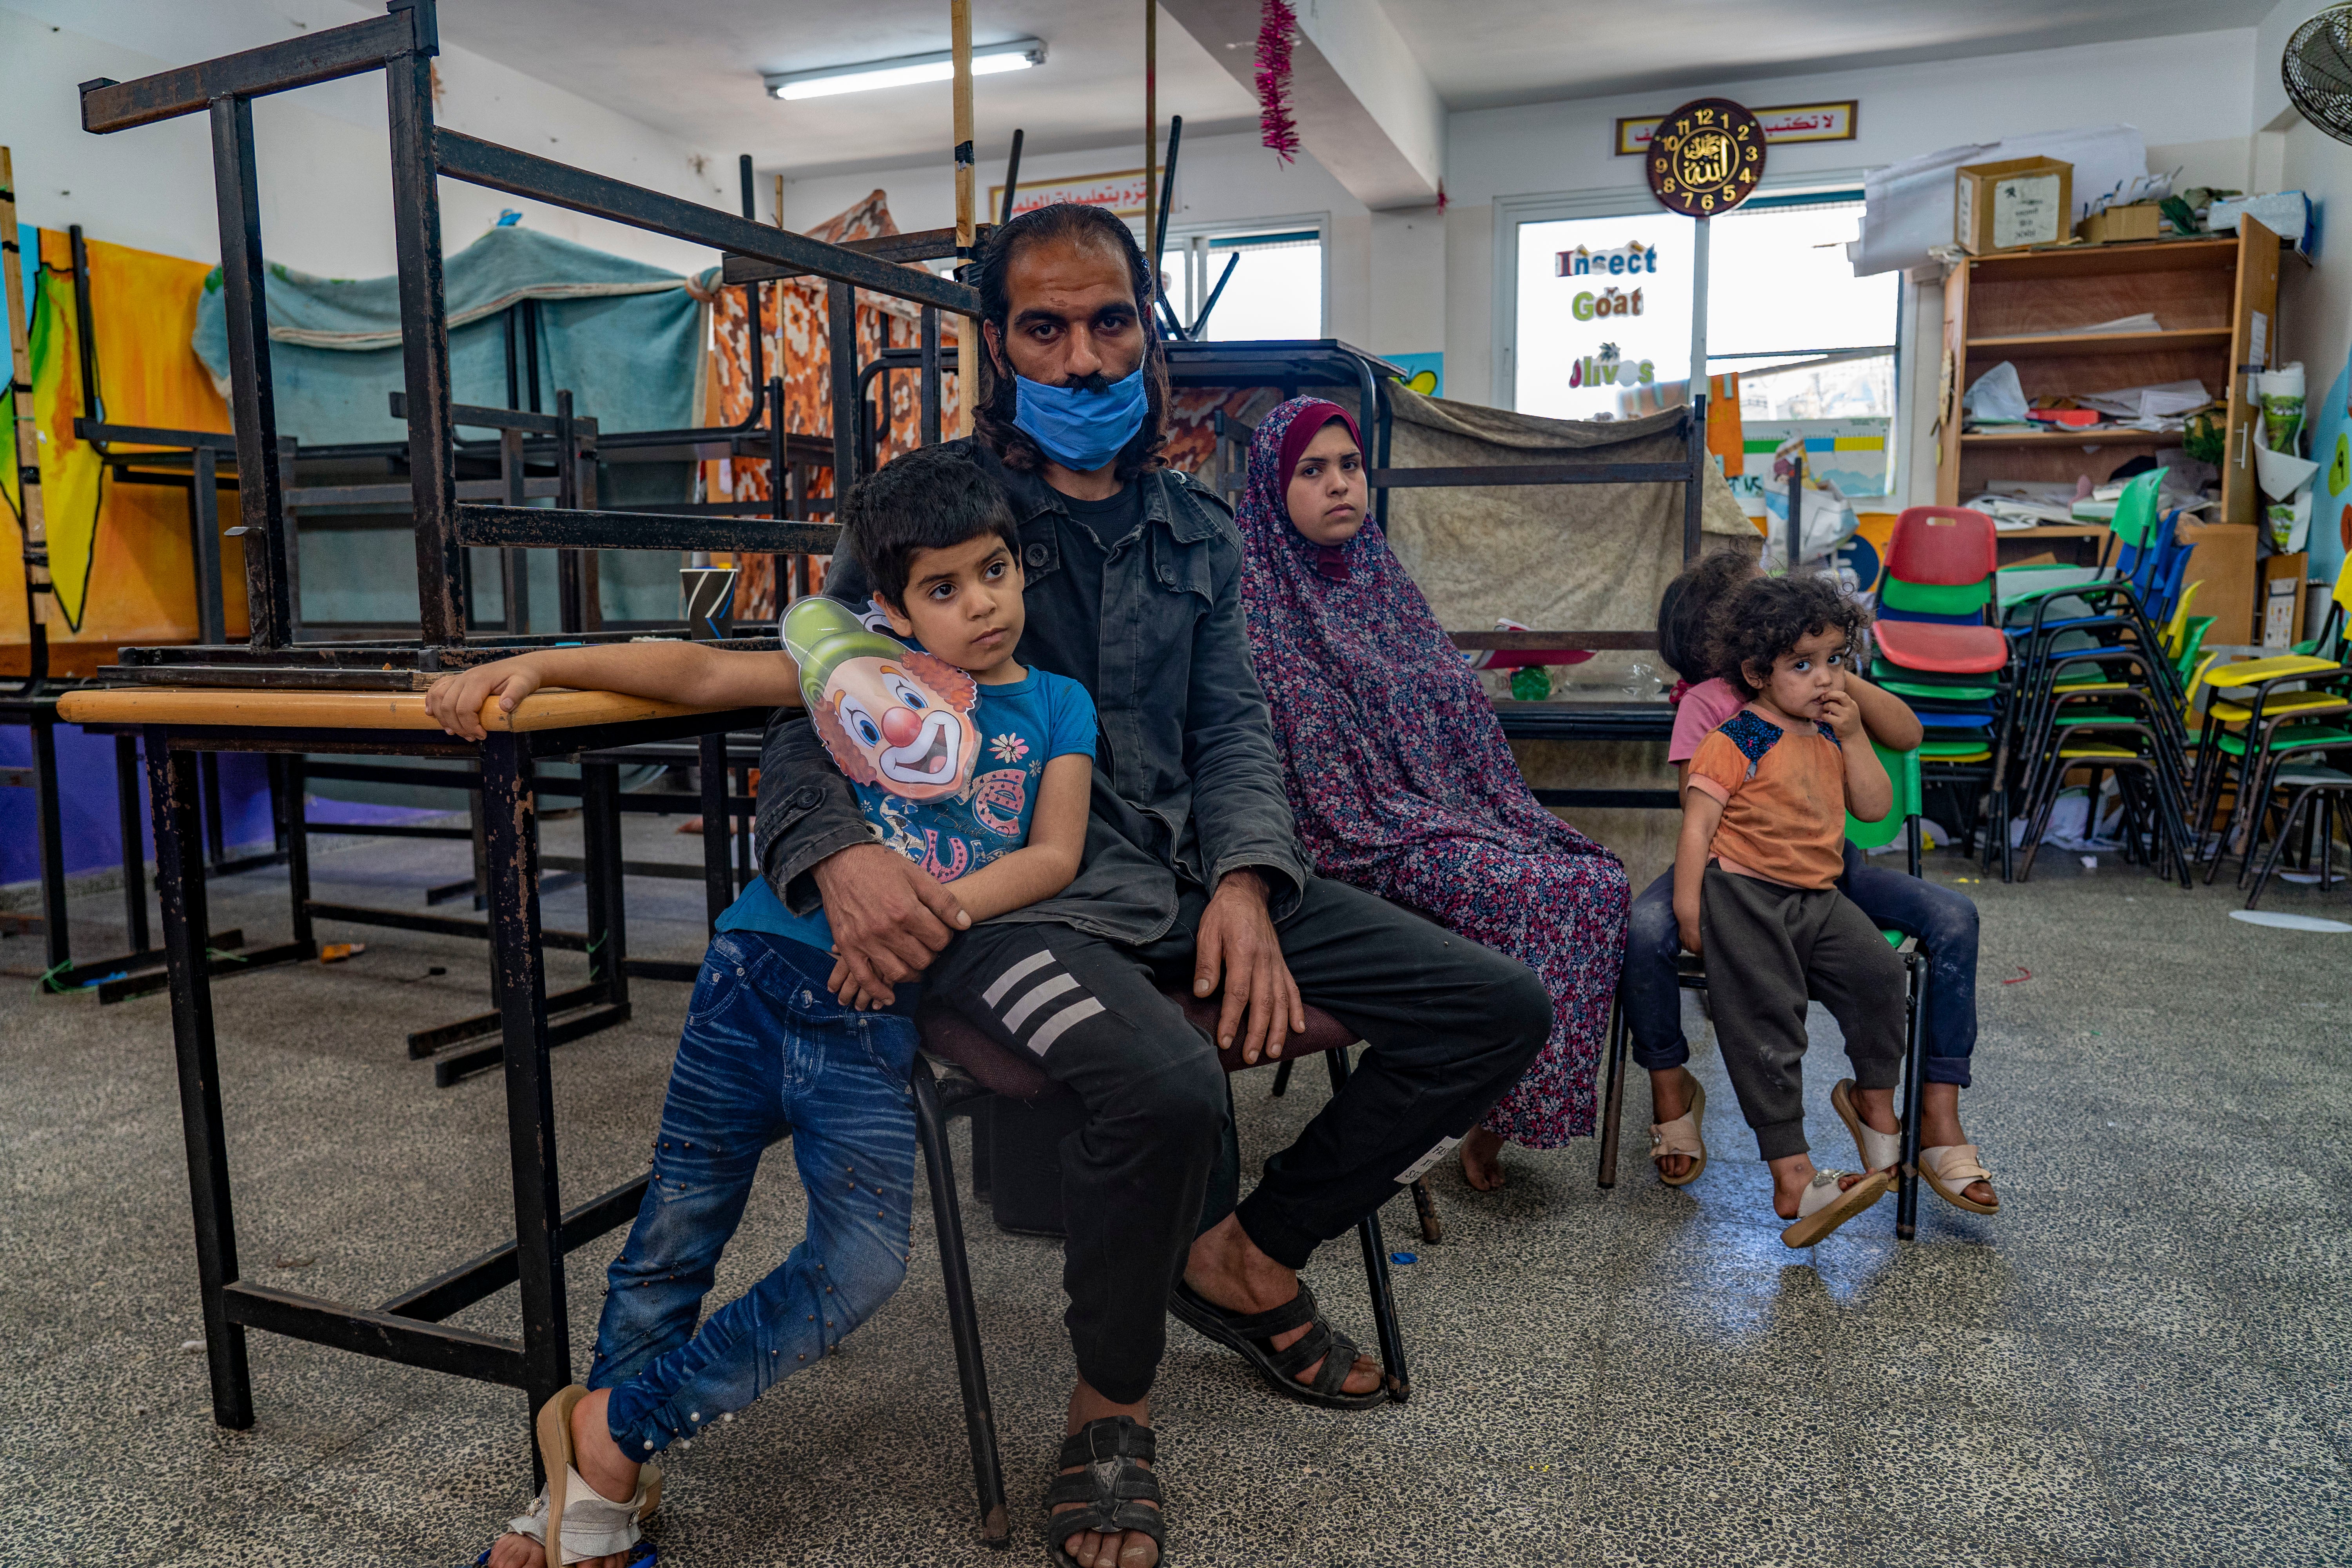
x=2145 y=1359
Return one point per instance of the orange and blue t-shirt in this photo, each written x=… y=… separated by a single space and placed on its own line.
x=1783 y=794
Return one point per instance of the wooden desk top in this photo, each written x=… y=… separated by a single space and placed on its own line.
x=235 y=708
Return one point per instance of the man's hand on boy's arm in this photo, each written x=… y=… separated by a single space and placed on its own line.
x=889 y=917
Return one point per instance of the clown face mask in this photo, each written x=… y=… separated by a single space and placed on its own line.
x=891 y=717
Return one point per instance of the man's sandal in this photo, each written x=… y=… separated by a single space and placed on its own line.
x=1114 y=1488
x=588 y=1524
x=1879 y=1151
x=1251 y=1336
x=1949 y=1168
x=1680 y=1136
x=1824 y=1206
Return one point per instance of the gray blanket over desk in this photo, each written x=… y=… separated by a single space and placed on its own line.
x=1557 y=558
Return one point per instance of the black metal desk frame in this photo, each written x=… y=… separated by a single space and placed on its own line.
x=408 y=1328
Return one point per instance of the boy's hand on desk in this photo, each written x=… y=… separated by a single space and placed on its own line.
x=454 y=702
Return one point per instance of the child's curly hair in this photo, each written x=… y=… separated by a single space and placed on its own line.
x=1689 y=600
x=1766 y=616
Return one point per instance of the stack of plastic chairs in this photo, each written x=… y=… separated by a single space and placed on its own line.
x=2267 y=726
x=1934 y=648
x=2098 y=690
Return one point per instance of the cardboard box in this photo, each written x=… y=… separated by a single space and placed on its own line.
x=2138 y=221
x=2282 y=590
x=2010 y=205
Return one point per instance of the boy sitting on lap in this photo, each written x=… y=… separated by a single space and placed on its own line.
x=1756 y=876
x=963 y=761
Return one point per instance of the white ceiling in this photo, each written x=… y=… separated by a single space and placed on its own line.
x=692 y=66
x=1482 y=53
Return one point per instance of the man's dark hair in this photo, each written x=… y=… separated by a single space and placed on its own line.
x=1766 y=616
x=1684 y=608
x=1065 y=223
x=933 y=497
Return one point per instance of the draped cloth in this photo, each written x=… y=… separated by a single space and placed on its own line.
x=1402 y=784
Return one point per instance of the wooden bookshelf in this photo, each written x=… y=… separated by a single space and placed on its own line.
x=2024 y=307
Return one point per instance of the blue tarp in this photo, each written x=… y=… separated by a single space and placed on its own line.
x=624 y=338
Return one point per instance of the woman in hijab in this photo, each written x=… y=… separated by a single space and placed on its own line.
x=1397 y=768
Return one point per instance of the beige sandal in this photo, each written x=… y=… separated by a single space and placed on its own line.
x=1824 y=1206
x=1879 y=1151
x=585 y=1523
x=1949 y=1168
x=1680 y=1136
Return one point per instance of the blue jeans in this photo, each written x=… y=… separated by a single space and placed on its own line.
x=767 y=1053
x=1944 y=921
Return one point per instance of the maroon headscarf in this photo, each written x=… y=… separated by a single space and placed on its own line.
x=1387 y=738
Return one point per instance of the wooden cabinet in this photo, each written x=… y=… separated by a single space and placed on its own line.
x=2216 y=305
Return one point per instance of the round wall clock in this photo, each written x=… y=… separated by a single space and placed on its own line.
x=1706 y=157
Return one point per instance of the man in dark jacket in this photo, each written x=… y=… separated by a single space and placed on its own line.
x=1193 y=875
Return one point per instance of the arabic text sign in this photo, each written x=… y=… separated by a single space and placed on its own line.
x=1122 y=193
x=1790 y=123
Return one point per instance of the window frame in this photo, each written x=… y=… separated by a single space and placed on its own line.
x=1182 y=236
x=1612 y=201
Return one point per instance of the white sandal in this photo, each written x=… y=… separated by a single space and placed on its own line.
x=1949 y=1168
x=1680 y=1136
x=1879 y=1151
x=1824 y=1206
x=590 y=1524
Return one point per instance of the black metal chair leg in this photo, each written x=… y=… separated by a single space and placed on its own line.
x=1915 y=1062
x=1613 y=1094
x=1424 y=1205
x=1376 y=1272
x=1282 y=1077
x=963 y=1312
x=180 y=889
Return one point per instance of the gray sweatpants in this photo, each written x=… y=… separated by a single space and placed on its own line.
x=1768 y=947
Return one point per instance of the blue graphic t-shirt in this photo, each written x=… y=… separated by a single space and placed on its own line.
x=1019 y=727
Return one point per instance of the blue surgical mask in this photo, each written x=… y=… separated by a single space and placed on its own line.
x=1079 y=429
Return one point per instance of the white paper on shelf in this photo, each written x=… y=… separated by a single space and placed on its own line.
x=1996 y=395
x=2165 y=400
x=1909 y=205
x=2282 y=474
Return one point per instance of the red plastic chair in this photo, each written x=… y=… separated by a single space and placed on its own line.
x=1940 y=650
x=1942 y=546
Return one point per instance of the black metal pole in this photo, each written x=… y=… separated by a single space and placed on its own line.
x=1907 y=1197
x=600 y=848
x=294 y=814
x=928 y=381
x=48 y=809
x=1166 y=195
x=570 y=606
x=205 y=540
x=841 y=332
x=1796 y=504
x=963 y=1318
x=1376 y=1268
x=180 y=889
x=1012 y=180
x=252 y=406
x=718 y=880
x=128 y=815
x=425 y=349
x=507 y=817
x=1695 y=497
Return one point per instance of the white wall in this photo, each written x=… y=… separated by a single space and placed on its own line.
x=1219 y=179
x=323 y=158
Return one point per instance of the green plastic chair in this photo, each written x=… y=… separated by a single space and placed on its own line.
x=1903 y=773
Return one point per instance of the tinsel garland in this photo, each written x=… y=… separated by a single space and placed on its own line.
x=1276 y=22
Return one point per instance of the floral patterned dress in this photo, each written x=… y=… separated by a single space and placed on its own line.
x=1402 y=784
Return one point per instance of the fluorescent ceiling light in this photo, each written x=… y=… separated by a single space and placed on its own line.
x=987 y=59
